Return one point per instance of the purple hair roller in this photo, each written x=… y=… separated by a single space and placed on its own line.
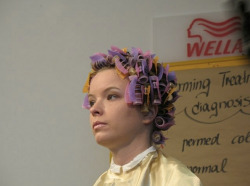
x=138 y=94
x=98 y=61
x=160 y=71
x=131 y=62
x=168 y=87
x=114 y=53
x=150 y=59
x=98 y=57
x=166 y=70
x=158 y=138
x=163 y=123
x=172 y=77
x=86 y=104
x=134 y=53
x=155 y=95
x=131 y=89
x=171 y=113
x=162 y=76
x=134 y=57
x=114 y=48
x=140 y=65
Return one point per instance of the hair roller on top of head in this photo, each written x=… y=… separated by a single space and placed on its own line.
x=150 y=84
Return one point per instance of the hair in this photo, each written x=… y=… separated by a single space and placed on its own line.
x=150 y=84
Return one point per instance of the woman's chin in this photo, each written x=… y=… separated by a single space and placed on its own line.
x=102 y=140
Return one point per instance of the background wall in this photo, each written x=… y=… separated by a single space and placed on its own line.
x=45 y=138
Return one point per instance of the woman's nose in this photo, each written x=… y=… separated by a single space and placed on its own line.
x=96 y=109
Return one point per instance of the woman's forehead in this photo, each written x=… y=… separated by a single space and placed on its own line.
x=107 y=78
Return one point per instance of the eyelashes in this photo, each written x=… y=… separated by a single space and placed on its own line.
x=110 y=97
x=91 y=103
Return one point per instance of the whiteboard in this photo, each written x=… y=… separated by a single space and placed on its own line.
x=212 y=131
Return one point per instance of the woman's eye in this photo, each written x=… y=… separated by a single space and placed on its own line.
x=91 y=103
x=112 y=96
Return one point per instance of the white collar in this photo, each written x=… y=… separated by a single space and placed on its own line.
x=117 y=168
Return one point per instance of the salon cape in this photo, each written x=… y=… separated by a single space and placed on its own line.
x=150 y=168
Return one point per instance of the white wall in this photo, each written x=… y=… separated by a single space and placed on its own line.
x=45 y=138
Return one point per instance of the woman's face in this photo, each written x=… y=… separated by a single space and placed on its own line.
x=114 y=123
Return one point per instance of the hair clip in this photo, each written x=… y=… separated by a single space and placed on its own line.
x=169 y=106
x=171 y=89
x=121 y=65
x=146 y=98
x=144 y=108
x=155 y=95
x=98 y=61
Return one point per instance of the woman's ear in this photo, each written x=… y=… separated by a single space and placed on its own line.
x=149 y=116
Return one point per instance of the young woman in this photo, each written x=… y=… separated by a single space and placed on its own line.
x=130 y=97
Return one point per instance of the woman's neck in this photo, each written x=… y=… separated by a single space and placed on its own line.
x=126 y=154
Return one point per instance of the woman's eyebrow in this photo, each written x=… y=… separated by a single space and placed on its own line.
x=105 y=91
x=111 y=88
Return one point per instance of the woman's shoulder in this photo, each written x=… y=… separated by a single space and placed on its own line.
x=169 y=160
x=175 y=171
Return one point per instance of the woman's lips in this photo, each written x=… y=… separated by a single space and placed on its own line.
x=98 y=124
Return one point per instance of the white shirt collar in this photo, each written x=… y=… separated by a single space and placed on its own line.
x=117 y=168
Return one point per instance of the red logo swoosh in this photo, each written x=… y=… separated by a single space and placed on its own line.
x=216 y=29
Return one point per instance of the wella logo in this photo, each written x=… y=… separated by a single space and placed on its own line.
x=209 y=38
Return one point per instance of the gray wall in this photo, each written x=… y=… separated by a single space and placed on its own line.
x=45 y=138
